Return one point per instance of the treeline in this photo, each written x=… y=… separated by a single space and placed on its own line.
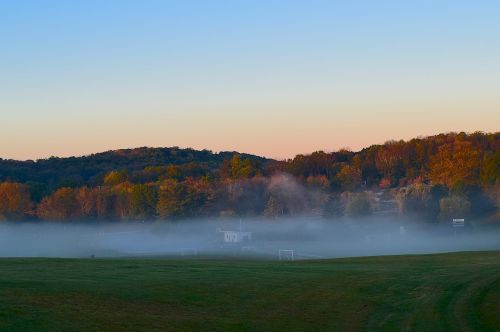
x=44 y=176
x=432 y=178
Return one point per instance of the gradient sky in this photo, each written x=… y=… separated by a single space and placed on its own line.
x=269 y=77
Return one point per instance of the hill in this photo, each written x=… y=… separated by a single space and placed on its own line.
x=445 y=176
x=58 y=172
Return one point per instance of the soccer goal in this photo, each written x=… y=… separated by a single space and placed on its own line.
x=286 y=255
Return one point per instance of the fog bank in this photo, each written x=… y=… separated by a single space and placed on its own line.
x=302 y=238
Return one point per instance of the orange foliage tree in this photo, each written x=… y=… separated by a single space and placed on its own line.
x=455 y=163
x=62 y=204
x=15 y=202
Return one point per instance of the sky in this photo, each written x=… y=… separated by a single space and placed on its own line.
x=269 y=77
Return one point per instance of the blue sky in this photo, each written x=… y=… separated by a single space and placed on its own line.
x=273 y=78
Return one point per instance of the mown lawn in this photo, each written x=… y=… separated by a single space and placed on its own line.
x=445 y=292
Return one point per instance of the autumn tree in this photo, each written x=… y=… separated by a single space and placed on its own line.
x=454 y=163
x=389 y=160
x=200 y=196
x=349 y=177
x=190 y=198
x=106 y=204
x=239 y=168
x=171 y=198
x=61 y=205
x=317 y=163
x=122 y=200
x=490 y=169
x=115 y=177
x=15 y=202
x=143 y=201
x=86 y=198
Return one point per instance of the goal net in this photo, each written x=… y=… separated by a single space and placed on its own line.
x=286 y=255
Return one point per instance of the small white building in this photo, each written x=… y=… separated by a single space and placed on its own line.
x=236 y=236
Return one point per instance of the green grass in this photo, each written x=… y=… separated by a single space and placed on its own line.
x=445 y=292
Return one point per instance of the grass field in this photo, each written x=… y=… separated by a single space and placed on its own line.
x=445 y=292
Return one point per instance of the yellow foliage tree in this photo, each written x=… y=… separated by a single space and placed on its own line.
x=455 y=163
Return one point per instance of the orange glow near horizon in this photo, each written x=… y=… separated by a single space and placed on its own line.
x=262 y=77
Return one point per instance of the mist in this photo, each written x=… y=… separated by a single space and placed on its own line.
x=297 y=238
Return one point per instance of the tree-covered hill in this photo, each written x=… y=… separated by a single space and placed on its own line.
x=430 y=178
x=58 y=172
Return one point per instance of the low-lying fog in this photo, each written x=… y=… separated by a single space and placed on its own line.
x=304 y=238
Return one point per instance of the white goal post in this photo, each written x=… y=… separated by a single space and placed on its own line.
x=286 y=255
